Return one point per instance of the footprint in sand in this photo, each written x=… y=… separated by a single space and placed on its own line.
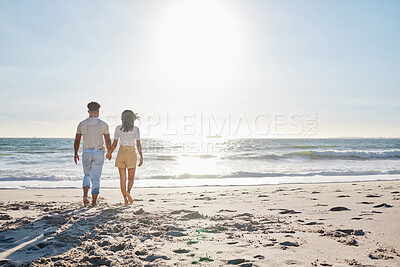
x=175 y=233
x=181 y=251
x=383 y=253
x=205 y=198
x=316 y=263
x=193 y=215
x=154 y=257
x=139 y=212
x=5 y=217
x=103 y=243
x=118 y=247
x=289 y=212
x=224 y=210
x=339 y=208
x=383 y=205
x=289 y=244
x=313 y=223
x=373 y=195
x=236 y=261
x=180 y=211
x=140 y=253
x=219 y=218
x=205 y=259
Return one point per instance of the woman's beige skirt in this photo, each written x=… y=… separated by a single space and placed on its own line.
x=126 y=157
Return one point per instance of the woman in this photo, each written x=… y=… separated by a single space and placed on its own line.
x=126 y=157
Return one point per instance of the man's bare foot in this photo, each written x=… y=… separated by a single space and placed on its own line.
x=94 y=199
x=128 y=195
x=85 y=201
x=126 y=203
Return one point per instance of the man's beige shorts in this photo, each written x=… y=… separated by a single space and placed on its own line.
x=126 y=157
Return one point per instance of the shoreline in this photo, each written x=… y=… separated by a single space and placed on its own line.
x=206 y=182
x=322 y=224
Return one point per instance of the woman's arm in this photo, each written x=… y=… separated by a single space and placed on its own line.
x=112 y=148
x=139 y=148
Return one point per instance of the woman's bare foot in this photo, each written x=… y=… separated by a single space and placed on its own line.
x=128 y=195
x=85 y=201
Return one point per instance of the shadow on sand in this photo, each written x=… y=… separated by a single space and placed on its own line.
x=62 y=229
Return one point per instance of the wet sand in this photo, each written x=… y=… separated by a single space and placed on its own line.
x=336 y=224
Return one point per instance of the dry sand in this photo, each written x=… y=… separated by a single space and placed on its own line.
x=337 y=224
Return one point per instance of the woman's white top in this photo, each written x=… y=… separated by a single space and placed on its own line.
x=127 y=138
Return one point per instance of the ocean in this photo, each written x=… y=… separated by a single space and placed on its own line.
x=48 y=162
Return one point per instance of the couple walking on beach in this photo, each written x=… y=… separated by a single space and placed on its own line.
x=93 y=130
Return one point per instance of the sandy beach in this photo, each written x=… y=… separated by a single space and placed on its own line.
x=332 y=224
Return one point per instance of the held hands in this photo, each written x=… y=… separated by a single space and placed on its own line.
x=109 y=156
x=140 y=162
x=76 y=158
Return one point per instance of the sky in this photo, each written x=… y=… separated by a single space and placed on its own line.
x=237 y=68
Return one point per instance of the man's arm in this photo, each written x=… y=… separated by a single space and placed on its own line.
x=139 y=148
x=112 y=148
x=107 y=141
x=76 y=147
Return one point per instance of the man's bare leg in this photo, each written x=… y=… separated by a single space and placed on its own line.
x=85 y=195
x=94 y=198
x=131 y=177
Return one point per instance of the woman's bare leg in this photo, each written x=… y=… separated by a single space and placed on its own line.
x=131 y=176
x=122 y=178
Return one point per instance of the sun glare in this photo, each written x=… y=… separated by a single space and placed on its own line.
x=198 y=44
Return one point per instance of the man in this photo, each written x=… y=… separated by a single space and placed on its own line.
x=93 y=129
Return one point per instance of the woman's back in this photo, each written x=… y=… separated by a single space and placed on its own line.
x=127 y=138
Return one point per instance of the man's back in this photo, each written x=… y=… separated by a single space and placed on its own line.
x=92 y=130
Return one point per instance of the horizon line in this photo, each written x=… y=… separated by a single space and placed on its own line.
x=205 y=137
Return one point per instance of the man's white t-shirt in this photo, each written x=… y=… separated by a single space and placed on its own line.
x=127 y=138
x=92 y=130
